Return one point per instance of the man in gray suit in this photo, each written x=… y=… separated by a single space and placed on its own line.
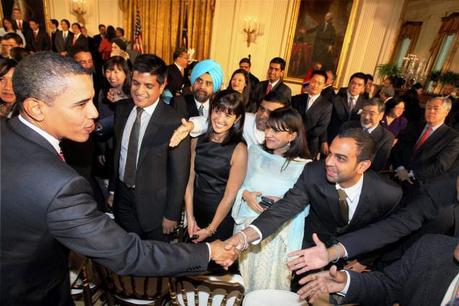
x=47 y=208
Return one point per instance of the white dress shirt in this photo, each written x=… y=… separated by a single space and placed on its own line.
x=145 y=119
x=205 y=110
x=311 y=100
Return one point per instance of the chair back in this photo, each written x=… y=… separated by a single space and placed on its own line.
x=204 y=290
x=133 y=290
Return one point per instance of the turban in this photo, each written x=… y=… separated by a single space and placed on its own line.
x=212 y=68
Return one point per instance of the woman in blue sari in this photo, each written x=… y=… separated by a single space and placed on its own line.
x=273 y=168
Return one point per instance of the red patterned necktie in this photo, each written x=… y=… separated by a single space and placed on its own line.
x=269 y=88
x=423 y=138
x=61 y=155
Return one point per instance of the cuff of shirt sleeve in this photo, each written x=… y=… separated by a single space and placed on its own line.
x=348 y=283
x=196 y=131
x=399 y=168
x=346 y=254
x=259 y=234
x=210 y=250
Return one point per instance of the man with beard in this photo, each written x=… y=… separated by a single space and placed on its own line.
x=206 y=80
x=372 y=113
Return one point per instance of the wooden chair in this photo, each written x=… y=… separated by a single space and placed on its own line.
x=83 y=287
x=204 y=290
x=131 y=290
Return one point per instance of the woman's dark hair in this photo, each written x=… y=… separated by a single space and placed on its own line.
x=13 y=24
x=6 y=65
x=121 y=63
x=246 y=91
x=392 y=103
x=110 y=34
x=287 y=119
x=228 y=101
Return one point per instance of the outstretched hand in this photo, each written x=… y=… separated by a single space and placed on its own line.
x=316 y=284
x=181 y=133
x=309 y=259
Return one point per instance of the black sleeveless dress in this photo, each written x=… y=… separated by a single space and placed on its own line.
x=212 y=168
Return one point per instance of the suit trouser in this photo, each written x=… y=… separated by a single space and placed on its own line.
x=125 y=211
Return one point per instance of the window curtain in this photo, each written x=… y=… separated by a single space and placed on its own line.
x=163 y=24
x=449 y=26
x=411 y=30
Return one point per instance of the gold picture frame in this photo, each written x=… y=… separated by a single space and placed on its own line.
x=296 y=69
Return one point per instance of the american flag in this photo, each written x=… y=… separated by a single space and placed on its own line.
x=138 y=42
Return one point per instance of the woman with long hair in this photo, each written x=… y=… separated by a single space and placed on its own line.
x=240 y=82
x=105 y=47
x=218 y=165
x=273 y=168
x=117 y=84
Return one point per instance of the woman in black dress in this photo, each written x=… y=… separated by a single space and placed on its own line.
x=218 y=167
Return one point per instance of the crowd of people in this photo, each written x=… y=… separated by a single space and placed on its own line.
x=353 y=177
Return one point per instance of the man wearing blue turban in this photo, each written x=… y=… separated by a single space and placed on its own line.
x=206 y=80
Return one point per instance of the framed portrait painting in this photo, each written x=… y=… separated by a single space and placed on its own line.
x=29 y=9
x=317 y=36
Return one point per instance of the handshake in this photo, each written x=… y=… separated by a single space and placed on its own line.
x=226 y=252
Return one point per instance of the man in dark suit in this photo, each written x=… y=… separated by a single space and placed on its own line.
x=347 y=104
x=38 y=39
x=372 y=113
x=425 y=275
x=206 y=80
x=416 y=217
x=98 y=37
x=150 y=177
x=246 y=64
x=426 y=151
x=54 y=26
x=315 y=111
x=47 y=207
x=64 y=38
x=273 y=83
x=340 y=193
x=79 y=41
x=21 y=24
x=177 y=79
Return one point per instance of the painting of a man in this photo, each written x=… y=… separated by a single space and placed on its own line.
x=318 y=35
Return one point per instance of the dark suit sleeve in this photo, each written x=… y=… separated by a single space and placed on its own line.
x=74 y=221
x=294 y=201
x=383 y=288
x=178 y=164
x=46 y=41
x=425 y=206
x=444 y=160
x=383 y=153
x=321 y=127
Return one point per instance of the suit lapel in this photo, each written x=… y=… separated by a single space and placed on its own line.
x=432 y=139
x=26 y=132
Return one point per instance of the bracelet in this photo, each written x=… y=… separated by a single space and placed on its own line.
x=211 y=230
x=245 y=244
x=337 y=254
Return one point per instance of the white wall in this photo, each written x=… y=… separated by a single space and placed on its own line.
x=98 y=11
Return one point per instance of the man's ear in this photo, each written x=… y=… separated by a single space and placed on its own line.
x=363 y=166
x=34 y=109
